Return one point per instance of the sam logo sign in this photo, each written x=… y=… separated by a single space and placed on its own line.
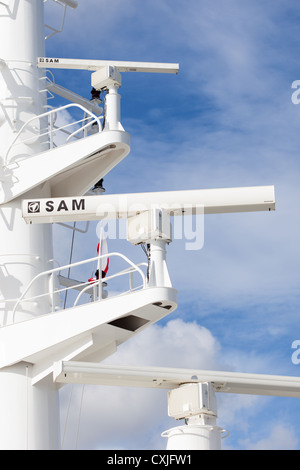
x=56 y=205
x=65 y=205
x=48 y=60
x=34 y=207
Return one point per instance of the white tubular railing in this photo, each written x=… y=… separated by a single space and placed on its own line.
x=52 y=129
x=98 y=283
x=88 y=285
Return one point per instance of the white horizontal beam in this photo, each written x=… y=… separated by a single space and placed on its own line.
x=167 y=378
x=70 y=3
x=93 y=65
x=74 y=97
x=118 y=206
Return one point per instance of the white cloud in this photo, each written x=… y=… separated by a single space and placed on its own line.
x=113 y=417
x=280 y=437
x=174 y=345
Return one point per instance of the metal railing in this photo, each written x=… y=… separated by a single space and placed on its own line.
x=51 y=130
x=93 y=287
x=64 y=4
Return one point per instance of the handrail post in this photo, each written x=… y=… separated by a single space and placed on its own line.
x=52 y=291
x=94 y=295
x=51 y=130
x=130 y=280
x=100 y=288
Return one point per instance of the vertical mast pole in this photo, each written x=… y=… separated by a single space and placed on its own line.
x=30 y=414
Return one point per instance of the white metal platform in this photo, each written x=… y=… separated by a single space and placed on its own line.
x=90 y=331
x=68 y=169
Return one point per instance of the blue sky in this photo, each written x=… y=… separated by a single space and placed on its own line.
x=226 y=120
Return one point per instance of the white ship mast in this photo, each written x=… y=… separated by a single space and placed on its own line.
x=42 y=344
x=25 y=251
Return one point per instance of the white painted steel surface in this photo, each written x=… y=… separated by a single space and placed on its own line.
x=30 y=415
x=93 y=65
x=194 y=437
x=60 y=170
x=202 y=201
x=168 y=378
x=70 y=3
x=84 y=332
x=23 y=252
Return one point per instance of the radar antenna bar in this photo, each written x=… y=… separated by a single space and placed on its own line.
x=117 y=206
x=93 y=65
x=171 y=378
